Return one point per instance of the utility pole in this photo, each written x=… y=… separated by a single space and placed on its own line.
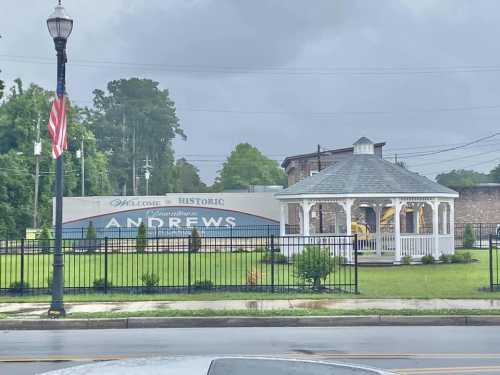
x=124 y=119
x=134 y=181
x=147 y=173
x=80 y=154
x=37 y=151
x=320 y=205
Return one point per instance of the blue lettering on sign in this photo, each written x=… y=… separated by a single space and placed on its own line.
x=171 y=221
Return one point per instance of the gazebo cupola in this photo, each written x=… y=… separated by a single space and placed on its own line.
x=364 y=181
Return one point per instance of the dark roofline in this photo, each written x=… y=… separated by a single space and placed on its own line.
x=288 y=159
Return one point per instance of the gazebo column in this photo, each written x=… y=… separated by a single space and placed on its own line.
x=416 y=214
x=396 y=202
x=283 y=215
x=378 y=230
x=347 y=206
x=306 y=210
x=435 y=227
x=452 y=223
x=444 y=218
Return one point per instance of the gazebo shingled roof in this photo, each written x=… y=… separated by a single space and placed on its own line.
x=366 y=173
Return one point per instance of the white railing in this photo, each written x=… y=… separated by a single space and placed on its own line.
x=417 y=245
x=447 y=244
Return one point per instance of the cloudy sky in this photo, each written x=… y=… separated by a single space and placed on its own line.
x=285 y=75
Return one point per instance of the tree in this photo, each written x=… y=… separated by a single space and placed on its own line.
x=187 y=179
x=141 y=241
x=461 y=178
x=495 y=174
x=247 y=166
x=469 y=238
x=195 y=241
x=132 y=120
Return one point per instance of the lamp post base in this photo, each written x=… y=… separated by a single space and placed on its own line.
x=56 y=313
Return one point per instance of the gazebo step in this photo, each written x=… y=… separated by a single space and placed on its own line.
x=375 y=260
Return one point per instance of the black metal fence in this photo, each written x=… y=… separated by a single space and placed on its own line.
x=183 y=264
x=481 y=234
x=494 y=265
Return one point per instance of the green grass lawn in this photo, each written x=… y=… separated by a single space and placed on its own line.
x=417 y=281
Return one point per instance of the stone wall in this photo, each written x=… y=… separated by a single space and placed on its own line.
x=478 y=204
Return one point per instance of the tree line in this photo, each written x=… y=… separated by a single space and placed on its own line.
x=133 y=119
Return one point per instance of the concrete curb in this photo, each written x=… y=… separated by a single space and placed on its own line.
x=191 y=322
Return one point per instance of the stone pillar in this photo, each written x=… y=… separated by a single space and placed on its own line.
x=306 y=210
x=283 y=215
x=435 y=227
x=378 y=230
x=396 y=202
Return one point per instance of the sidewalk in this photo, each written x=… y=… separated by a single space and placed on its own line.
x=36 y=310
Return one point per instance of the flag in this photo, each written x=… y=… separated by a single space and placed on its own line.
x=57 y=127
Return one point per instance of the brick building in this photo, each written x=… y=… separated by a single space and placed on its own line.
x=478 y=204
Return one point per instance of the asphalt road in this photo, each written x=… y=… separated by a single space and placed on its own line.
x=407 y=350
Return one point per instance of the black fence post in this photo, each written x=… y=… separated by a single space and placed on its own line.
x=189 y=265
x=272 y=263
x=480 y=235
x=491 y=261
x=22 y=267
x=355 y=249
x=105 y=265
x=231 y=239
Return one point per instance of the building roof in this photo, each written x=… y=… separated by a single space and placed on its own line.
x=289 y=159
x=363 y=141
x=365 y=174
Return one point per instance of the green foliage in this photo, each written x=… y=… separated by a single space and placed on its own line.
x=91 y=233
x=150 y=282
x=469 y=238
x=406 y=260
x=187 y=179
x=195 y=241
x=428 y=259
x=314 y=264
x=45 y=240
x=136 y=113
x=141 y=241
x=247 y=166
x=461 y=178
x=278 y=258
x=203 y=285
x=445 y=258
x=465 y=257
x=100 y=285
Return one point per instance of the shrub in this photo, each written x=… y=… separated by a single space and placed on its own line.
x=141 y=241
x=203 y=285
x=457 y=258
x=444 y=258
x=253 y=277
x=467 y=257
x=428 y=259
x=469 y=237
x=150 y=281
x=314 y=264
x=406 y=260
x=100 y=284
x=195 y=241
x=44 y=240
x=18 y=286
x=91 y=233
x=279 y=258
x=91 y=242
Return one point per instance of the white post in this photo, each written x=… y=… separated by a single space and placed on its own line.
x=336 y=218
x=452 y=224
x=416 y=212
x=306 y=210
x=283 y=215
x=396 y=202
x=301 y=220
x=435 y=227
x=445 y=218
x=347 y=206
x=378 y=231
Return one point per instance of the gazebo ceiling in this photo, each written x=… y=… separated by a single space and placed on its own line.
x=365 y=174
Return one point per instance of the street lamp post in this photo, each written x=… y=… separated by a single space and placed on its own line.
x=60 y=26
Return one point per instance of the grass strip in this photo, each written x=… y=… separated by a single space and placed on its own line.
x=278 y=312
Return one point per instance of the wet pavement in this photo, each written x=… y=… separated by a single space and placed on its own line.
x=33 y=310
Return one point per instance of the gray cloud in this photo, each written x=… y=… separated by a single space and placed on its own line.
x=228 y=44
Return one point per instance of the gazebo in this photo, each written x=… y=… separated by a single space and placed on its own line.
x=401 y=203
